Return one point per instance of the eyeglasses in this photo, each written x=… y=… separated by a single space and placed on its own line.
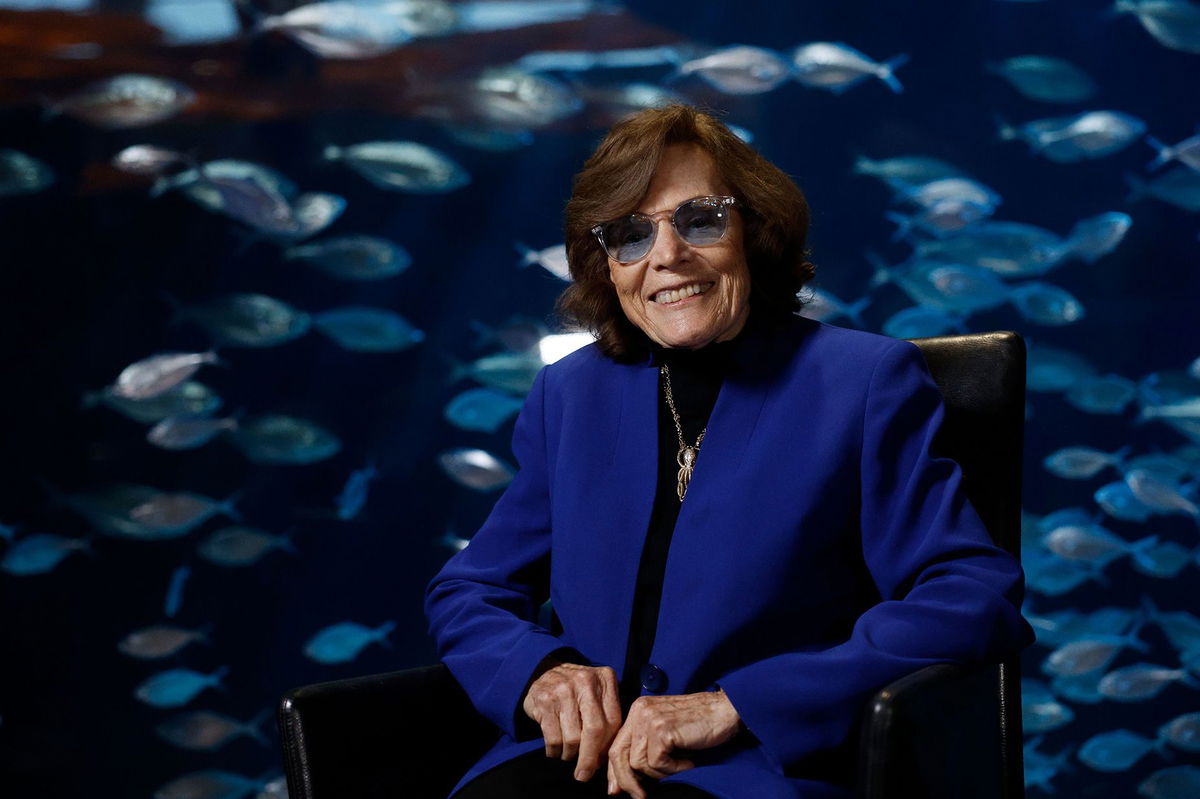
x=700 y=221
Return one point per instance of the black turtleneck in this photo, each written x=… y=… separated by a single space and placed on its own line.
x=696 y=377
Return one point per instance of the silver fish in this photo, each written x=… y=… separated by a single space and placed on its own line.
x=205 y=731
x=274 y=789
x=1097 y=236
x=481 y=409
x=940 y=219
x=1165 y=466
x=1178 y=186
x=1180 y=409
x=740 y=69
x=1093 y=544
x=490 y=140
x=353 y=257
x=1118 y=501
x=1142 y=681
x=127 y=101
x=837 y=67
x=264 y=209
x=1045 y=78
x=498 y=98
x=159 y=641
x=1045 y=304
x=188 y=431
x=1082 y=462
x=1174 y=23
x=364 y=329
x=189 y=397
x=108 y=508
x=146 y=159
x=402 y=166
x=335 y=29
x=1044 y=716
x=553 y=259
x=495 y=15
x=208 y=784
x=825 y=306
x=476 y=469
x=39 y=553
x=241 y=546
x=1090 y=654
x=518 y=334
x=1182 y=732
x=22 y=174
x=1115 y=751
x=232 y=169
x=1080 y=688
x=453 y=542
x=511 y=372
x=1011 y=249
x=1107 y=394
x=423 y=18
x=276 y=438
x=1160 y=495
x=157 y=374
x=177 y=687
x=1091 y=134
x=914 y=169
x=1186 y=152
x=953 y=287
x=248 y=320
x=941 y=190
x=341 y=643
x=177 y=512
x=583 y=60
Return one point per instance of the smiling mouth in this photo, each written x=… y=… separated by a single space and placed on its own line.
x=668 y=297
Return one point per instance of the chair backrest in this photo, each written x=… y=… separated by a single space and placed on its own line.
x=982 y=379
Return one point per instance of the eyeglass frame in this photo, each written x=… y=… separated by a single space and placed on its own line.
x=724 y=200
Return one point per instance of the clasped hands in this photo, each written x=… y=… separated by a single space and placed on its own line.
x=579 y=711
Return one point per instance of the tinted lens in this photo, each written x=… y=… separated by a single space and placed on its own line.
x=701 y=222
x=628 y=239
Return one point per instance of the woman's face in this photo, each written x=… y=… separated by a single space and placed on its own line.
x=719 y=270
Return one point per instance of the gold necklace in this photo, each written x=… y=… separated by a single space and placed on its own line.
x=686 y=457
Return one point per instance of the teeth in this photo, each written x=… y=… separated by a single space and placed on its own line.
x=679 y=294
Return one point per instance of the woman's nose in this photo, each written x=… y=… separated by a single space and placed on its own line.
x=668 y=250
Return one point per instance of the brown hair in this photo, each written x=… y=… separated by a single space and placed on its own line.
x=615 y=179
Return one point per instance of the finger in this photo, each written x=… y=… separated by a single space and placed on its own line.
x=552 y=732
x=639 y=754
x=593 y=735
x=568 y=719
x=618 y=760
x=610 y=701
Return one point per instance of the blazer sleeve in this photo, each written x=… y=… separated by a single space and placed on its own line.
x=482 y=606
x=947 y=593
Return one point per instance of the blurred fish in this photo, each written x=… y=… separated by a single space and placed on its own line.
x=1093 y=544
x=1181 y=409
x=146 y=160
x=159 y=641
x=1060 y=518
x=205 y=731
x=1040 y=711
x=584 y=60
x=1115 y=751
x=341 y=643
x=495 y=15
x=481 y=409
x=838 y=67
x=1041 y=768
x=353 y=257
x=1160 y=495
x=1107 y=394
x=1082 y=462
x=488 y=139
x=939 y=219
x=1045 y=304
x=354 y=493
x=188 y=397
x=1163 y=561
x=740 y=69
x=1093 y=653
x=1186 y=152
x=1164 y=466
x=39 y=553
x=126 y=101
x=454 y=542
x=1046 y=78
x=618 y=101
x=334 y=29
x=1173 y=782
x=188 y=431
x=497 y=98
x=941 y=190
x=1118 y=501
x=1097 y=236
x=953 y=288
x=1091 y=134
x=553 y=259
x=919 y=321
x=247 y=320
x=364 y=329
x=177 y=512
x=174 y=597
x=559 y=345
x=280 y=439
x=7 y=532
x=1178 y=186
x=424 y=18
x=156 y=374
x=1011 y=249
x=22 y=174
x=207 y=196
x=1080 y=688
x=274 y=789
x=401 y=166
x=209 y=784
x=914 y=169
x=518 y=334
x=1182 y=732
x=177 y=687
x=825 y=307
x=266 y=210
x=476 y=469
x=1142 y=681
x=109 y=508
x=241 y=546
x=511 y=372
x=1174 y=23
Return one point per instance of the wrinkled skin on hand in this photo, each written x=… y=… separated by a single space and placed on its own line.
x=579 y=711
x=656 y=726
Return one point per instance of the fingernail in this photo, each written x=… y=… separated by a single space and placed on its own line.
x=581 y=775
x=611 y=788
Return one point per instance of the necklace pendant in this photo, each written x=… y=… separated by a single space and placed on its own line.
x=687 y=464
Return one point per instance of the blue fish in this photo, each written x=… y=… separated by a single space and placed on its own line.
x=241 y=546
x=364 y=329
x=353 y=257
x=247 y=320
x=39 y=553
x=174 y=598
x=1079 y=688
x=1010 y=249
x=1045 y=304
x=354 y=493
x=1181 y=628
x=1173 y=23
x=914 y=169
x=1050 y=575
x=177 y=687
x=1118 y=501
x=342 y=642
x=1082 y=463
x=22 y=174
x=824 y=306
x=1045 y=78
x=1117 y=750
x=1091 y=134
x=919 y=321
x=497 y=15
x=1040 y=711
x=189 y=397
x=1164 y=561
x=1107 y=394
x=277 y=438
x=1173 y=782
x=481 y=409
x=1142 y=681
x=333 y=29
x=1041 y=768
x=1182 y=732
x=489 y=140
x=1096 y=236
x=402 y=166
x=1178 y=186
x=1055 y=369
x=1186 y=152
x=837 y=67
x=740 y=69
x=1091 y=654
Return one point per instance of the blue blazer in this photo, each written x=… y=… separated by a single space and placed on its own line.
x=823 y=550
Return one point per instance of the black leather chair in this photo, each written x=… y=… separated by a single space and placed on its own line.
x=943 y=732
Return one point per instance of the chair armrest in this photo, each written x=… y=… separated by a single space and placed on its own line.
x=409 y=733
x=936 y=733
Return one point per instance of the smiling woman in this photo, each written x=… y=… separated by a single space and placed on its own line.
x=735 y=511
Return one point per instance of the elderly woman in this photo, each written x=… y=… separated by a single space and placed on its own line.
x=736 y=512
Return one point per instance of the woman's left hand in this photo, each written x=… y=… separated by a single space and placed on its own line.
x=656 y=726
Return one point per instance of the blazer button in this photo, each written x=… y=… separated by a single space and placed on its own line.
x=654 y=679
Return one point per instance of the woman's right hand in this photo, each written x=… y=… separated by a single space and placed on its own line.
x=579 y=712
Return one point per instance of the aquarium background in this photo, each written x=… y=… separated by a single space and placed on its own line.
x=98 y=270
